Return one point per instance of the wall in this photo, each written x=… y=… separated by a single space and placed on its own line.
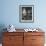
x=10 y=13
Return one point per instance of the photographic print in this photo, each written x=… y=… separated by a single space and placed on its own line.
x=26 y=13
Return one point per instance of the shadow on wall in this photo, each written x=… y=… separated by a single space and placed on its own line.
x=2 y=26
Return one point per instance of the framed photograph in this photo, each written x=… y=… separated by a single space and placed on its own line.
x=26 y=13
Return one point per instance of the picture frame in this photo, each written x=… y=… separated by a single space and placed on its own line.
x=26 y=13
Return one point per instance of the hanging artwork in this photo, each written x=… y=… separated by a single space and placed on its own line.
x=26 y=13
